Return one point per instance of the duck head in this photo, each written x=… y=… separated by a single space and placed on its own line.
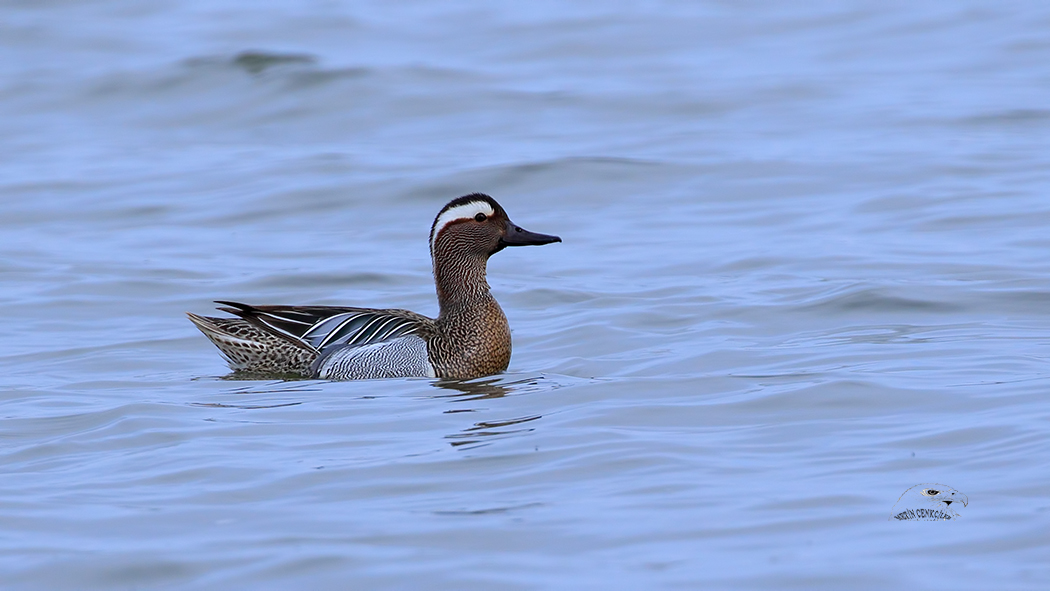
x=476 y=225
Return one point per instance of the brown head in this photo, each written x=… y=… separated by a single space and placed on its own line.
x=476 y=224
x=466 y=232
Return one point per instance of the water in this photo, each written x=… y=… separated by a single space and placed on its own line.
x=805 y=269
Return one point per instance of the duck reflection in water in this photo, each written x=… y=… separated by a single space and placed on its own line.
x=483 y=432
x=474 y=389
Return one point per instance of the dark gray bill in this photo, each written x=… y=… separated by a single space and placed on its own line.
x=518 y=236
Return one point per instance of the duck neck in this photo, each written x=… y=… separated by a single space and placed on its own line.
x=461 y=284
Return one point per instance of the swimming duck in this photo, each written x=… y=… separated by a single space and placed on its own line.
x=469 y=338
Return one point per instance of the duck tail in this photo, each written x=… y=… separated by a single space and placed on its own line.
x=247 y=347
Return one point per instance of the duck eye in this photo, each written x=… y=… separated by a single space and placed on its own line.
x=481 y=217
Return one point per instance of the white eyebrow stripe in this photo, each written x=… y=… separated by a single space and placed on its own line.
x=459 y=212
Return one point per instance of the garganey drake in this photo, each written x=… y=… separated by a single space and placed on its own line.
x=470 y=337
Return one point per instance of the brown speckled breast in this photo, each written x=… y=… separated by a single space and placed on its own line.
x=471 y=341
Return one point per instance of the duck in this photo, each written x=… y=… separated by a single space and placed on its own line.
x=470 y=337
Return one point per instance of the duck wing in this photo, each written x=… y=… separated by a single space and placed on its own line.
x=325 y=326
